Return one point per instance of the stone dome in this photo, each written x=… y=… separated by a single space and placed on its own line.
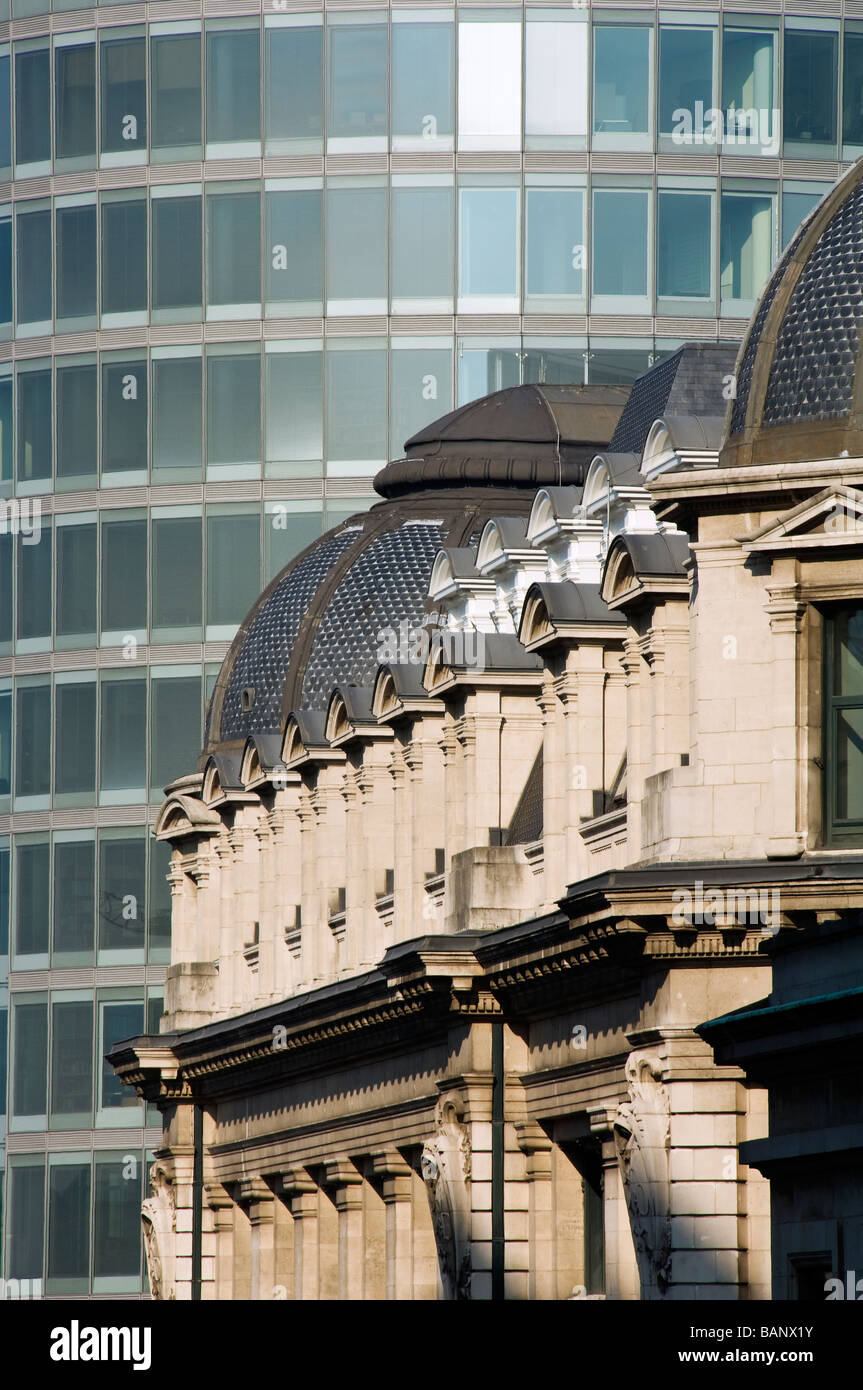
x=798 y=370
x=317 y=625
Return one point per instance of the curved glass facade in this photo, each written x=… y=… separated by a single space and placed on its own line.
x=242 y=258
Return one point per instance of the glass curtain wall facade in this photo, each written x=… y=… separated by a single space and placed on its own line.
x=242 y=258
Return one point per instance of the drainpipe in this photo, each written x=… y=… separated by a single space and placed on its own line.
x=197 y=1199
x=497 y=1163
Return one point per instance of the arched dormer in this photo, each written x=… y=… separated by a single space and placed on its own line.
x=262 y=764
x=306 y=741
x=566 y=612
x=350 y=716
x=181 y=816
x=689 y=441
x=399 y=693
x=223 y=780
x=640 y=567
x=555 y=510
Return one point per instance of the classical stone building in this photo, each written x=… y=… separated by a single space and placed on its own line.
x=516 y=791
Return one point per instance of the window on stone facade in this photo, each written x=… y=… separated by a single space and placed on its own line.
x=842 y=726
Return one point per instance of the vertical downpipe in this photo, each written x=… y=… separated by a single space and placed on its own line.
x=498 y=1249
x=197 y=1200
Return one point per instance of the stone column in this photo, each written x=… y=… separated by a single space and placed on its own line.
x=220 y=1203
x=788 y=831
x=536 y=1146
x=302 y=1193
x=621 y=1270
x=257 y=1199
x=346 y=1184
x=397 y=1183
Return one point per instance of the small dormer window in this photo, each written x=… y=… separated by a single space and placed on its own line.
x=247 y=698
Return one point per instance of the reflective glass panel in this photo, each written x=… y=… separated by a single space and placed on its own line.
x=810 y=86
x=124 y=576
x=32 y=745
x=175 y=733
x=175 y=90
x=34 y=586
x=234 y=409
x=124 y=95
x=5 y=113
x=295 y=403
x=620 y=242
x=488 y=241
x=77 y=418
x=116 y=1218
x=356 y=243
x=124 y=416
x=76 y=262
x=32 y=901
x=358 y=80
x=556 y=79
x=76 y=580
x=234 y=248
x=621 y=79
x=233 y=85
x=30 y=1054
x=233 y=567
x=685 y=74
x=294 y=247
x=119 y=1021
x=75 y=101
x=295 y=103
x=33 y=237
x=75 y=872
x=746 y=238
x=71 y=1057
x=422 y=242
x=123 y=735
x=176 y=252
x=69 y=1221
x=124 y=257
x=357 y=405
x=177 y=405
x=489 y=85
x=555 y=241
x=684 y=245
x=26 y=1218
x=32 y=107
x=422 y=80
x=176 y=572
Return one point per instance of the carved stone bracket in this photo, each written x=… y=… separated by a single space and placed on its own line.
x=159 y=1222
x=641 y=1133
x=446 y=1164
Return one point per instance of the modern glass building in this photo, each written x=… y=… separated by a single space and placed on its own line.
x=246 y=249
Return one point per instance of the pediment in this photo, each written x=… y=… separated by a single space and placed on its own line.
x=832 y=518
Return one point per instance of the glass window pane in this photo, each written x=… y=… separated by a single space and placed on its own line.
x=121 y=894
x=34 y=586
x=75 y=738
x=356 y=243
x=176 y=252
x=124 y=95
x=69 y=1221
x=34 y=426
x=6 y=407
x=556 y=79
x=32 y=107
x=286 y=533
x=119 y=1022
x=26 y=1220
x=5 y=789
x=124 y=257
x=176 y=727
x=124 y=576
x=175 y=90
x=30 y=1059
x=849 y=764
x=619 y=242
x=420 y=391
x=32 y=905
x=847 y=675
x=852 y=89
x=357 y=405
x=233 y=567
x=746 y=239
x=116 y=1219
x=234 y=409
x=621 y=79
x=77 y=451
x=33 y=239
x=234 y=248
x=422 y=86
x=555 y=241
x=295 y=106
x=489 y=86
x=76 y=262
x=747 y=70
x=488 y=241
x=75 y=101
x=6 y=270
x=32 y=770
x=176 y=583
x=76 y=580
x=5 y=114
x=809 y=87
x=795 y=207
x=295 y=247
x=159 y=899
x=358 y=81
x=685 y=73
x=295 y=404
x=75 y=885
x=684 y=250
x=233 y=86
x=123 y=735
x=422 y=242
x=177 y=433
x=124 y=416
x=71 y=1057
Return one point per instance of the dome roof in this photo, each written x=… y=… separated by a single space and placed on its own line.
x=526 y=436
x=798 y=368
x=322 y=621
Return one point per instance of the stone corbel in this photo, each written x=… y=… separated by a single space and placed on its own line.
x=344 y=1178
x=257 y=1197
x=536 y=1145
x=446 y=1167
x=642 y=1132
x=159 y=1225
